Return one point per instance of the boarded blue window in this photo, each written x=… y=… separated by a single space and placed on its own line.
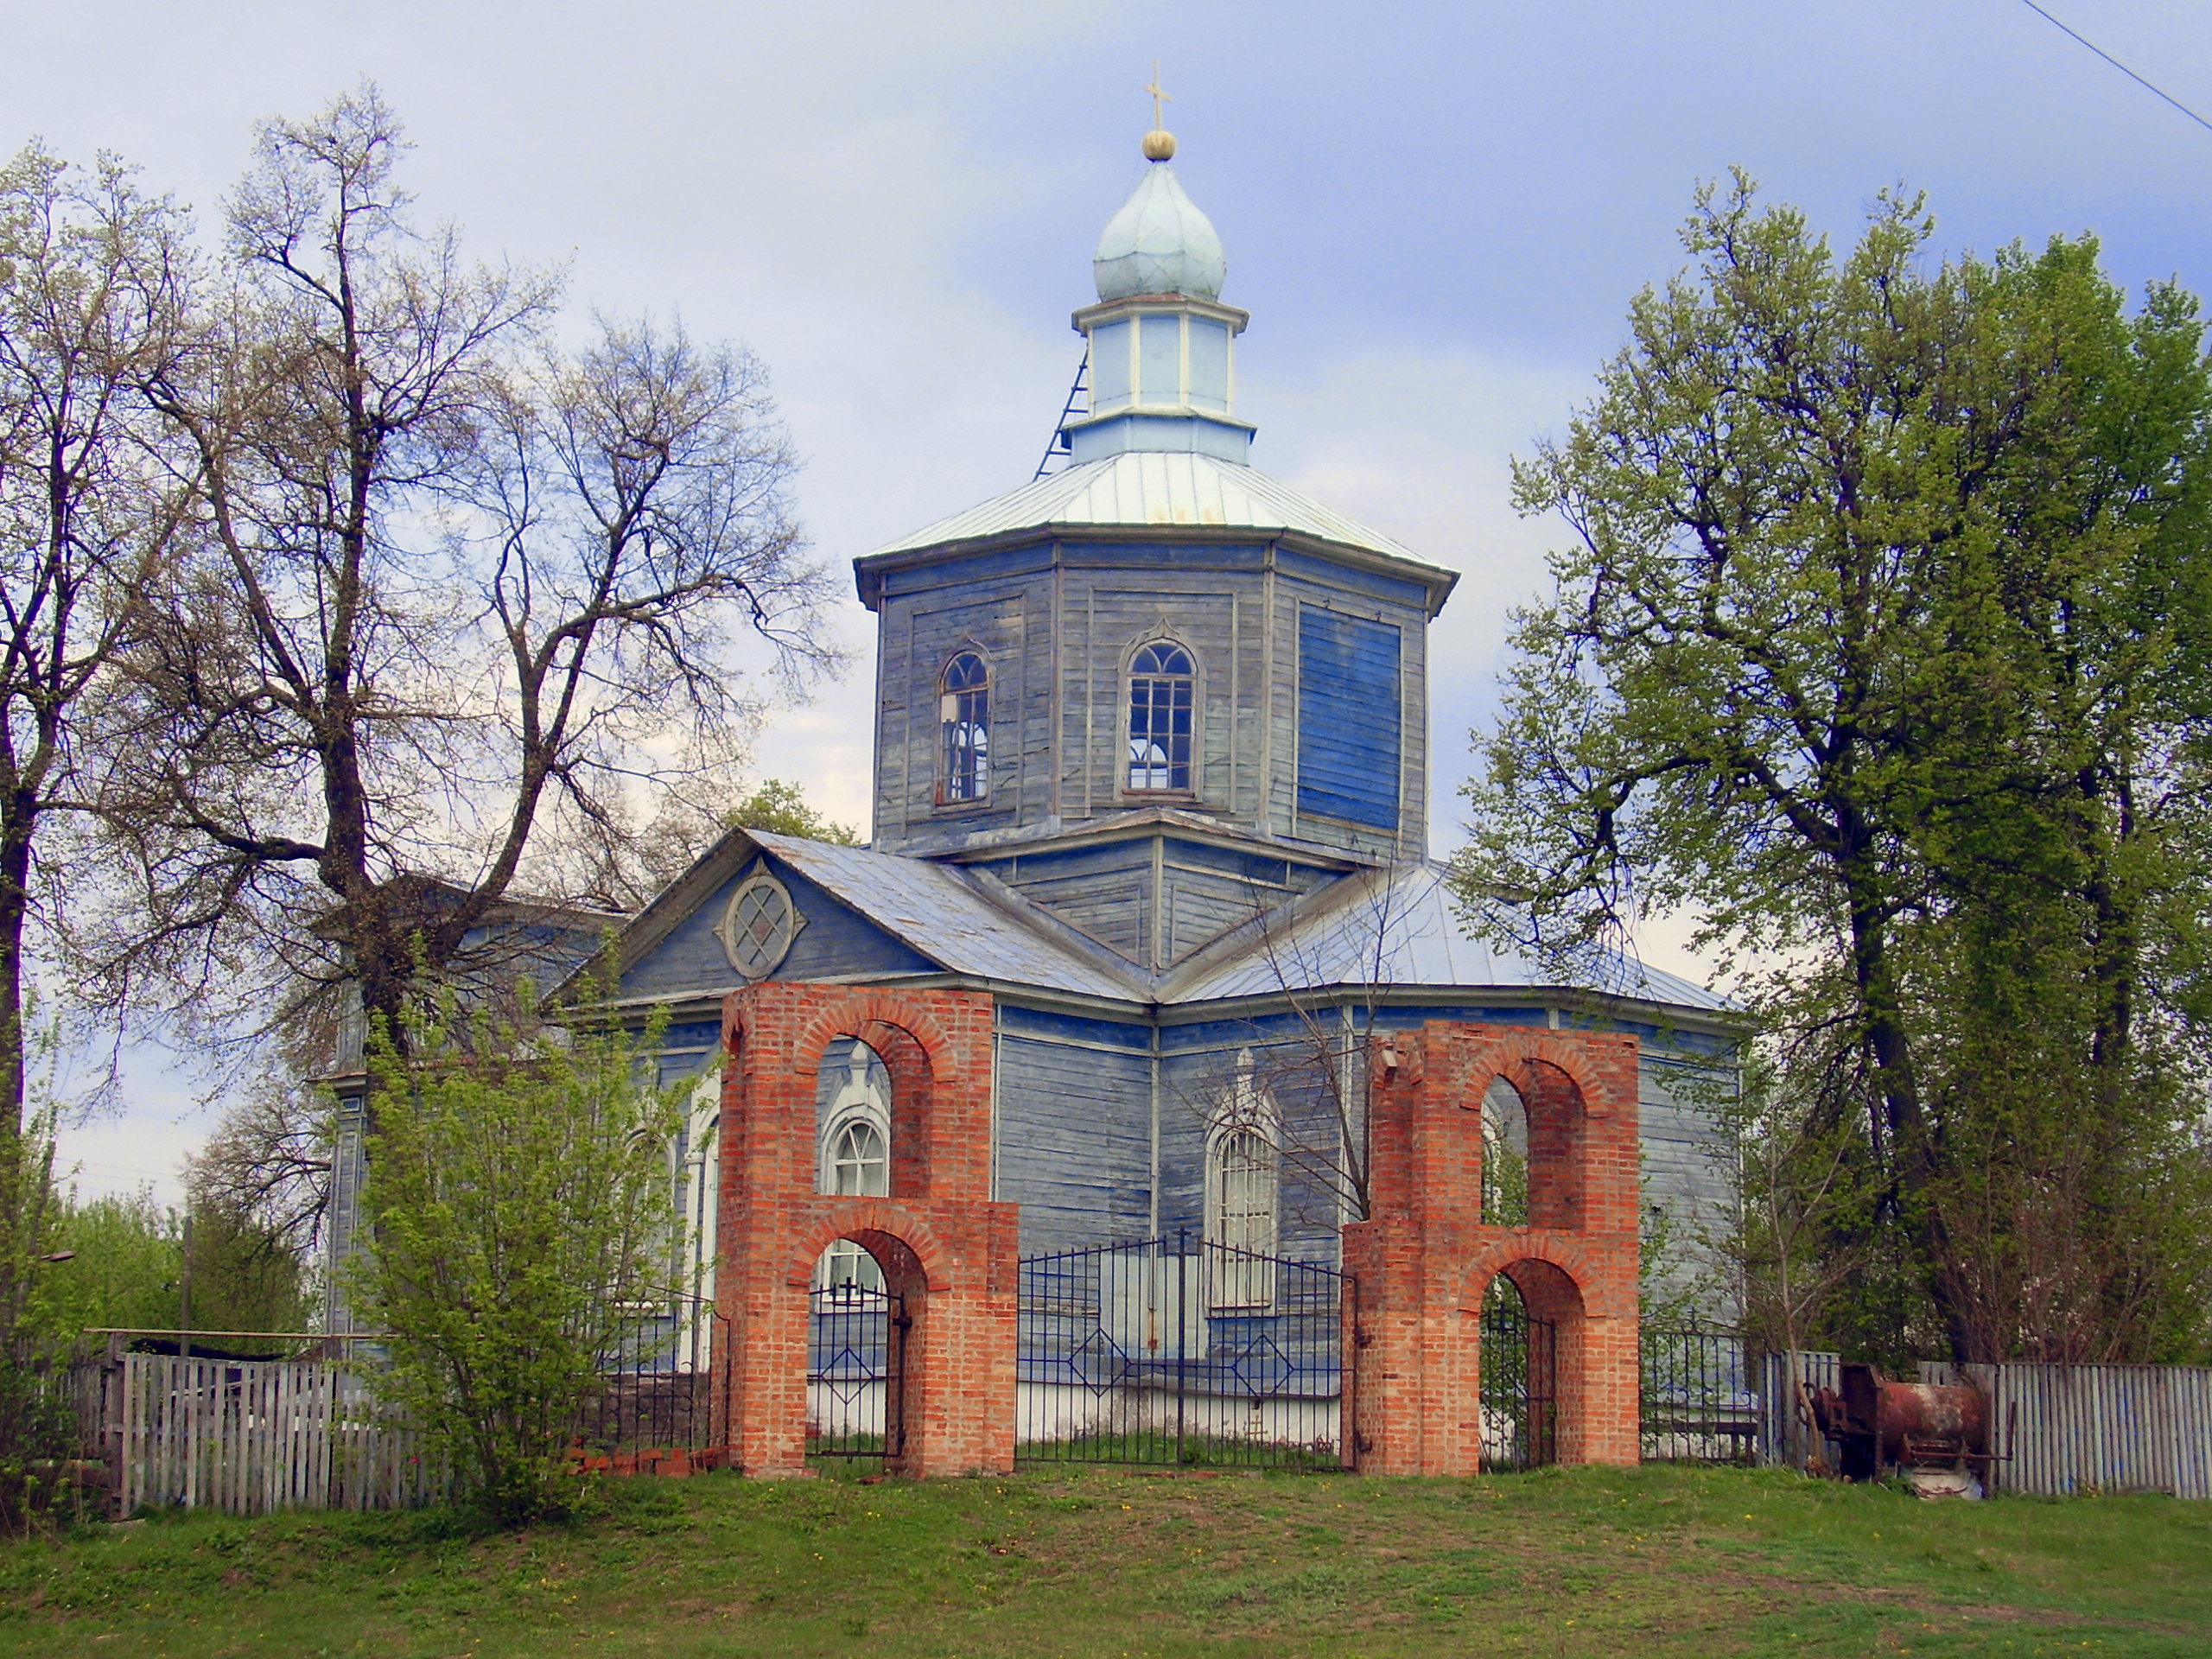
x=1348 y=726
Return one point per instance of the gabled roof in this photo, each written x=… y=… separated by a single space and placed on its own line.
x=938 y=911
x=1145 y=489
x=1398 y=927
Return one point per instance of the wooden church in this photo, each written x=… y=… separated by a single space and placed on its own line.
x=1151 y=851
x=1152 y=774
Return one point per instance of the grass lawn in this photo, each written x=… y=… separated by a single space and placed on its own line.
x=1644 y=1562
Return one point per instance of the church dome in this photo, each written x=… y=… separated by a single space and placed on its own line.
x=1159 y=243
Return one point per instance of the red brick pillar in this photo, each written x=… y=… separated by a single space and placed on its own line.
x=946 y=1247
x=1426 y=1257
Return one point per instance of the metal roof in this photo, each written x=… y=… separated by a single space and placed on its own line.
x=1151 y=488
x=1401 y=928
x=933 y=908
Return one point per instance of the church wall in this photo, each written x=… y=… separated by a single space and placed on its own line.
x=1057 y=624
x=1109 y=890
x=1105 y=615
x=1104 y=890
x=1352 y=592
x=1684 y=1167
x=1286 y=1064
x=1074 y=1146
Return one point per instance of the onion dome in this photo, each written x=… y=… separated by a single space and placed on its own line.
x=1159 y=243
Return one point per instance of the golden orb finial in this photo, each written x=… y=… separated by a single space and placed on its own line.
x=1159 y=143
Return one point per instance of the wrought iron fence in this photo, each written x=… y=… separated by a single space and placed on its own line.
x=1700 y=1404
x=1518 y=1387
x=855 y=1370
x=657 y=1398
x=1179 y=1351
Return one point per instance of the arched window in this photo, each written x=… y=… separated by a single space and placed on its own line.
x=1505 y=1156
x=1244 y=1189
x=859 y=1164
x=855 y=1152
x=964 y=714
x=1159 y=717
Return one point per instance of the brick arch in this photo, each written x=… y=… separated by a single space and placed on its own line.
x=926 y=1263
x=1504 y=1250
x=1427 y=1254
x=949 y=1249
x=1512 y=1057
x=893 y=1016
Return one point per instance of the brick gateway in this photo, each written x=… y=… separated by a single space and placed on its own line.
x=950 y=1252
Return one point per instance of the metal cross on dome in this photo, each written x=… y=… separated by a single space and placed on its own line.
x=1158 y=117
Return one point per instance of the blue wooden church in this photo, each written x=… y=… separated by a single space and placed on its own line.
x=1153 y=770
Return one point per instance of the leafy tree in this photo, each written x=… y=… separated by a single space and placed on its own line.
x=519 y=1199
x=459 y=592
x=782 y=809
x=1881 y=651
x=127 y=1265
x=126 y=1271
x=93 y=290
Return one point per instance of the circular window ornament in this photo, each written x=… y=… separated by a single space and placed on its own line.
x=758 y=927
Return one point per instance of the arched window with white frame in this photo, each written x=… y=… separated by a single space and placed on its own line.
x=854 y=1153
x=1161 y=722
x=964 y=720
x=1244 y=1193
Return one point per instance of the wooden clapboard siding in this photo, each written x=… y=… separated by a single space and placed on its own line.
x=1058 y=621
x=1156 y=899
x=251 y=1437
x=1075 y=1131
x=1005 y=619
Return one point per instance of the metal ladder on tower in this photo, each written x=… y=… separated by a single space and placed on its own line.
x=1056 y=447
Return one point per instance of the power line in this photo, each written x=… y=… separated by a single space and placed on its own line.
x=2117 y=64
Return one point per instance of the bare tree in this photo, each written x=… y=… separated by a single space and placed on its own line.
x=93 y=281
x=268 y=1161
x=462 y=596
x=1303 y=1085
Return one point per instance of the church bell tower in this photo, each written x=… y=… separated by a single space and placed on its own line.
x=1157 y=656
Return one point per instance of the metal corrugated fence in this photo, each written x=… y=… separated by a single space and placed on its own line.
x=2097 y=1428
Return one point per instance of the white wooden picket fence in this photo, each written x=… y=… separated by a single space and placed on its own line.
x=250 y=1437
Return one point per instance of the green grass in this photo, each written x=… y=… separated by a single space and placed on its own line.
x=1645 y=1562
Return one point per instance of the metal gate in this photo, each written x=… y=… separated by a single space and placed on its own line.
x=855 y=1352
x=1178 y=1351
x=1519 y=1386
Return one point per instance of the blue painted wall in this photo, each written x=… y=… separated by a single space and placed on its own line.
x=1349 y=718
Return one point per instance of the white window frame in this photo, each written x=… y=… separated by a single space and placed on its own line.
x=1247 y=1114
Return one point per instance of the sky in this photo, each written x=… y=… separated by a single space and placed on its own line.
x=1437 y=215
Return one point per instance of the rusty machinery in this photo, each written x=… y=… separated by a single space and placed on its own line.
x=1934 y=1434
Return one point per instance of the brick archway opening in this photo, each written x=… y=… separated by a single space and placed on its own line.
x=868 y=1357
x=1429 y=1250
x=1529 y=1323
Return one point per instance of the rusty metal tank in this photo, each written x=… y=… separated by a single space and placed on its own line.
x=1879 y=1424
